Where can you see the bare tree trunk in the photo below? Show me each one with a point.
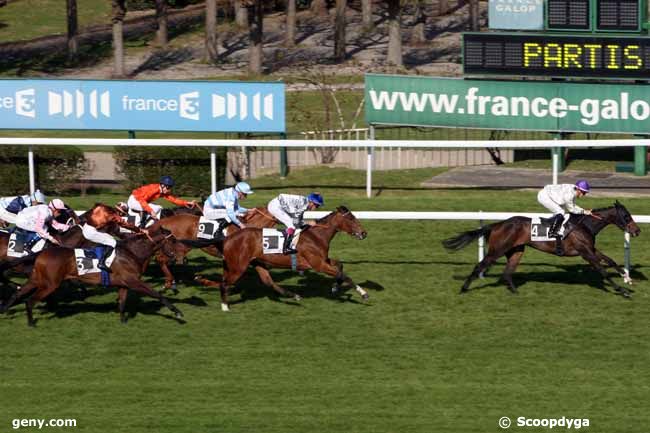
(474, 15)
(241, 14)
(256, 31)
(394, 34)
(119, 12)
(73, 28)
(319, 7)
(366, 14)
(211, 49)
(161, 21)
(443, 7)
(290, 40)
(417, 34)
(339, 31)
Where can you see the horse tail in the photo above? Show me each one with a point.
(463, 239)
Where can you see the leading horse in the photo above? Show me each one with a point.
(510, 238)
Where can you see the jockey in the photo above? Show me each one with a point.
(10, 206)
(37, 218)
(289, 209)
(223, 205)
(560, 200)
(140, 198)
(98, 218)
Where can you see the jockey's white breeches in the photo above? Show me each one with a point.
(545, 200)
(7, 216)
(134, 205)
(94, 235)
(276, 210)
(216, 214)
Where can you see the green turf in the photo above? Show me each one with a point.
(418, 357)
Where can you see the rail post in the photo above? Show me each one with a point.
(481, 243)
(32, 174)
(369, 164)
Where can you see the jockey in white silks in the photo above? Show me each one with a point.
(289, 210)
(11, 206)
(560, 200)
(223, 206)
(37, 218)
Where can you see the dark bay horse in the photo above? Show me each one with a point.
(510, 238)
(185, 226)
(245, 247)
(57, 264)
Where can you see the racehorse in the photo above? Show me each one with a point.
(510, 238)
(185, 226)
(245, 246)
(57, 264)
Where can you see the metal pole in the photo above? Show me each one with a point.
(213, 169)
(284, 166)
(32, 174)
(556, 164)
(369, 164)
(640, 160)
(481, 245)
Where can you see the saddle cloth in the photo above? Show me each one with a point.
(539, 228)
(17, 241)
(135, 220)
(207, 228)
(273, 239)
(88, 259)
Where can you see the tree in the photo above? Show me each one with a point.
(161, 22)
(211, 49)
(241, 13)
(339, 31)
(394, 33)
(256, 32)
(366, 14)
(319, 7)
(119, 12)
(417, 34)
(73, 28)
(474, 16)
(290, 40)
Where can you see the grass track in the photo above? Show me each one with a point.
(417, 358)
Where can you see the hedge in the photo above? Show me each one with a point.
(189, 166)
(57, 168)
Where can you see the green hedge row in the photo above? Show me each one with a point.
(189, 166)
(58, 168)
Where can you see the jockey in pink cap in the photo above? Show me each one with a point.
(37, 218)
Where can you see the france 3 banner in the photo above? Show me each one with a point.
(142, 105)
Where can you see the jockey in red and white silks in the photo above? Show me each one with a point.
(37, 218)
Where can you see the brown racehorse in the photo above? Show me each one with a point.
(185, 226)
(245, 246)
(56, 264)
(510, 238)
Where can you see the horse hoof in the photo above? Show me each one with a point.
(335, 290)
(224, 307)
(178, 314)
(297, 298)
(365, 297)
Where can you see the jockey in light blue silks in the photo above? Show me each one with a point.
(11, 206)
(289, 210)
(223, 206)
(560, 200)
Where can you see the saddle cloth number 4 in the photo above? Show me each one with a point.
(539, 230)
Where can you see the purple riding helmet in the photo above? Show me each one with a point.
(583, 186)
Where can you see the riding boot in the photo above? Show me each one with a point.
(108, 250)
(222, 226)
(559, 249)
(286, 247)
(144, 218)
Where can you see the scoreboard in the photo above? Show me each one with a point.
(555, 55)
(595, 15)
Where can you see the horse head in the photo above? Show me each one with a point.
(624, 220)
(347, 222)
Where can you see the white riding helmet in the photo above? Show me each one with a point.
(58, 204)
(38, 197)
(244, 188)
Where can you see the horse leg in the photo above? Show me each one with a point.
(592, 258)
(231, 273)
(514, 257)
(612, 264)
(142, 288)
(39, 295)
(265, 277)
(334, 268)
(163, 262)
(25, 290)
(481, 267)
(122, 295)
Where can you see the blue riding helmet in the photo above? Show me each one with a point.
(167, 181)
(583, 186)
(244, 188)
(38, 197)
(316, 198)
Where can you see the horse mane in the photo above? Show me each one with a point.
(340, 209)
